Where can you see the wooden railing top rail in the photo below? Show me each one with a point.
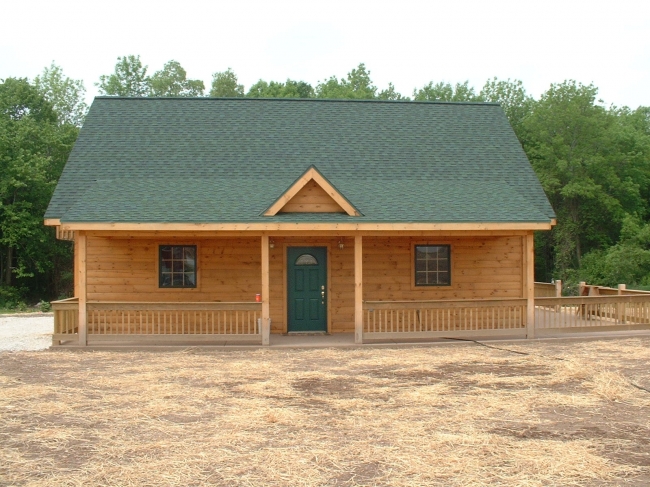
(592, 300)
(176, 306)
(444, 303)
(67, 300)
(550, 285)
(65, 304)
(607, 291)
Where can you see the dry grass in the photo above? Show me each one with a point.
(461, 415)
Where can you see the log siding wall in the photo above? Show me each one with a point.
(229, 269)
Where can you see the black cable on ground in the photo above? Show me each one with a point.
(503, 349)
(641, 388)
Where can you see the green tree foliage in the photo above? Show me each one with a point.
(33, 148)
(274, 89)
(357, 85)
(391, 94)
(172, 80)
(512, 97)
(225, 84)
(129, 79)
(446, 92)
(66, 95)
(573, 143)
(628, 261)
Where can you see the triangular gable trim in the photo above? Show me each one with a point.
(312, 174)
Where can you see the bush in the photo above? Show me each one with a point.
(44, 306)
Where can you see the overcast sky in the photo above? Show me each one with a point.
(604, 42)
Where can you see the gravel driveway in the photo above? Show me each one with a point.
(26, 332)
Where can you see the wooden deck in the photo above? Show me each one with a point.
(169, 323)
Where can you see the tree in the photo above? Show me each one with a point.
(627, 262)
(357, 85)
(512, 97)
(446, 92)
(172, 81)
(391, 94)
(274, 89)
(33, 149)
(225, 84)
(129, 78)
(571, 143)
(65, 95)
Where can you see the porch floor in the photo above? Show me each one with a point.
(343, 340)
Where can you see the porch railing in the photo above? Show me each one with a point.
(592, 312)
(66, 319)
(159, 322)
(421, 319)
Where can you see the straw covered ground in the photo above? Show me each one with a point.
(560, 413)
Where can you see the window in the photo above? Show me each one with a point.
(177, 266)
(432, 265)
(306, 259)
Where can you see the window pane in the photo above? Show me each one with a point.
(189, 253)
(166, 252)
(420, 278)
(177, 280)
(190, 280)
(177, 266)
(177, 252)
(165, 266)
(166, 280)
(306, 259)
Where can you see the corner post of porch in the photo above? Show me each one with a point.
(621, 306)
(529, 263)
(81, 285)
(266, 320)
(358, 289)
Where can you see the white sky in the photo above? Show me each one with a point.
(408, 42)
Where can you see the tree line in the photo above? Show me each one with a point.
(593, 162)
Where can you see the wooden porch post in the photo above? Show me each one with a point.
(81, 286)
(529, 283)
(358, 289)
(266, 321)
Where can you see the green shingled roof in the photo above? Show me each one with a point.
(213, 160)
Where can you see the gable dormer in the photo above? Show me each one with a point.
(312, 193)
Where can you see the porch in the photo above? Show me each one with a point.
(240, 323)
(367, 284)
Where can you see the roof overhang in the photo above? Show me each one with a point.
(286, 226)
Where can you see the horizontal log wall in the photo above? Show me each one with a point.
(482, 268)
(126, 269)
(229, 269)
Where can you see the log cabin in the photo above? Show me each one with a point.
(224, 220)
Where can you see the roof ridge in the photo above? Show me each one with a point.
(335, 100)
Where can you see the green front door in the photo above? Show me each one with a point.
(307, 296)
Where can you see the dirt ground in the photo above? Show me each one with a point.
(537, 414)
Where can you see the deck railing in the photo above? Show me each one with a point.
(66, 319)
(159, 322)
(119, 318)
(421, 319)
(592, 312)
